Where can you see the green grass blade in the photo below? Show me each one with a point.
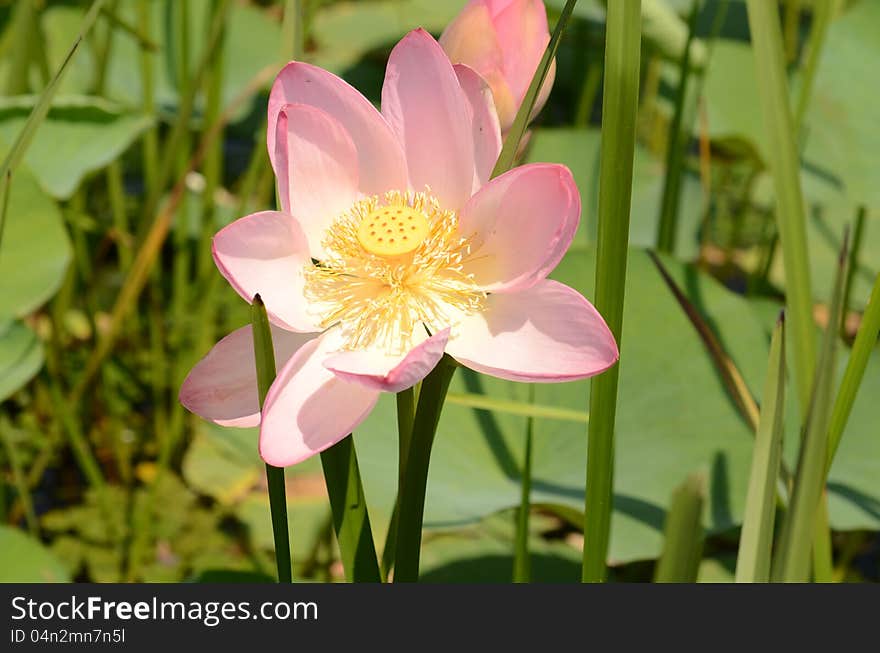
(412, 494)
(818, 31)
(619, 105)
(683, 546)
(667, 228)
(785, 169)
(756, 539)
(264, 355)
(5, 182)
(518, 128)
(521, 562)
(866, 341)
(41, 108)
(351, 520)
(792, 563)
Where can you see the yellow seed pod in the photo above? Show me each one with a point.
(393, 231)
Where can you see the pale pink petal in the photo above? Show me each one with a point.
(317, 170)
(470, 38)
(380, 371)
(266, 253)
(222, 387)
(486, 129)
(309, 409)
(523, 35)
(427, 109)
(381, 162)
(523, 222)
(547, 333)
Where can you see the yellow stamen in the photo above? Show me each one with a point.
(393, 230)
(381, 293)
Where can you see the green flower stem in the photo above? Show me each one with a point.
(785, 169)
(415, 476)
(264, 354)
(619, 104)
(521, 561)
(351, 520)
(406, 408)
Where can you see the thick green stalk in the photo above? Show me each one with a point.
(756, 538)
(151, 138)
(412, 494)
(522, 567)
(676, 144)
(351, 520)
(785, 169)
(406, 410)
(799, 529)
(619, 104)
(264, 355)
(683, 546)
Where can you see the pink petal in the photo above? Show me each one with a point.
(381, 162)
(547, 333)
(524, 222)
(222, 387)
(309, 409)
(486, 129)
(266, 253)
(380, 371)
(427, 109)
(317, 169)
(523, 35)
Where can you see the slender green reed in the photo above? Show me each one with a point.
(619, 105)
(667, 227)
(799, 528)
(756, 537)
(785, 170)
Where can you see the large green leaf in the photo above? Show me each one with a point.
(26, 560)
(222, 463)
(78, 136)
(35, 250)
(579, 150)
(21, 356)
(843, 140)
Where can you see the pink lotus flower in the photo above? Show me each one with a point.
(391, 248)
(504, 41)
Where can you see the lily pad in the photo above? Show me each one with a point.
(26, 560)
(79, 135)
(579, 150)
(21, 357)
(842, 135)
(222, 463)
(34, 252)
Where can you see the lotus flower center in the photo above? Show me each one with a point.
(392, 231)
